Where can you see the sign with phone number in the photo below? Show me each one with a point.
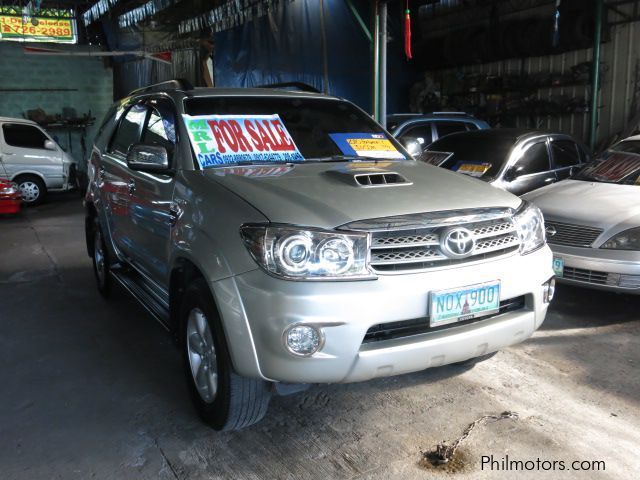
(59, 30)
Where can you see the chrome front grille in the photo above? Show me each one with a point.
(601, 278)
(413, 242)
(571, 235)
(588, 276)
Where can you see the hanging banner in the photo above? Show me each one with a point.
(232, 139)
(54, 29)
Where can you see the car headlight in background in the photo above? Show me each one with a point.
(627, 240)
(530, 226)
(308, 254)
(10, 189)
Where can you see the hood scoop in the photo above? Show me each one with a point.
(371, 179)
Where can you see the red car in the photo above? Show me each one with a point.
(10, 197)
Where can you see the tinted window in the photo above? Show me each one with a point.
(161, 126)
(490, 151)
(129, 130)
(24, 136)
(631, 146)
(445, 128)
(565, 153)
(534, 160)
(419, 133)
(309, 121)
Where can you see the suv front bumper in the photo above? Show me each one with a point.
(256, 310)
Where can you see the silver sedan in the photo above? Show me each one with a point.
(592, 221)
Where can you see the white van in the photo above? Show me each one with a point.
(30, 157)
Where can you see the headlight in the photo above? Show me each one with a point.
(530, 226)
(308, 254)
(627, 240)
(10, 189)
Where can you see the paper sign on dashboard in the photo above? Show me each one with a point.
(372, 145)
(231, 139)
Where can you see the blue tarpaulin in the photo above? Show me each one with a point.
(286, 45)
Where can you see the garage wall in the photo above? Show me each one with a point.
(619, 98)
(91, 81)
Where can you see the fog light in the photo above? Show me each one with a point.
(303, 340)
(549, 290)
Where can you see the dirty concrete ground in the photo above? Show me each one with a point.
(94, 389)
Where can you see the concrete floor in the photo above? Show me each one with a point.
(94, 389)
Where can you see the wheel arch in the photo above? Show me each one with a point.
(23, 173)
(236, 329)
(183, 272)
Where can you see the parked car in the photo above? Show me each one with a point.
(30, 158)
(10, 198)
(425, 129)
(512, 159)
(593, 221)
(286, 239)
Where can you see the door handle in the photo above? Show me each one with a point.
(131, 185)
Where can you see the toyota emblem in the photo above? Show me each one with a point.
(458, 242)
(551, 230)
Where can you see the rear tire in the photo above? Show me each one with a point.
(101, 261)
(32, 188)
(223, 399)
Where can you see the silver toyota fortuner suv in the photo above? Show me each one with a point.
(285, 238)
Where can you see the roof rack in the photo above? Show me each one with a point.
(304, 87)
(176, 84)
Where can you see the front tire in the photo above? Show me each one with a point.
(32, 188)
(223, 399)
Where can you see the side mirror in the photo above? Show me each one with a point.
(49, 145)
(413, 147)
(148, 158)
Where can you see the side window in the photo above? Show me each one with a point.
(23, 136)
(129, 129)
(161, 126)
(565, 153)
(420, 133)
(445, 128)
(534, 160)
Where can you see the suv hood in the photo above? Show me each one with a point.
(326, 195)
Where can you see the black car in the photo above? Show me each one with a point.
(513, 159)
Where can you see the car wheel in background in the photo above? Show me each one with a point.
(223, 399)
(32, 188)
(101, 261)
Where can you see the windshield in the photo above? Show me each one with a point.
(476, 156)
(270, 130)
(631, 146)
(615, 167)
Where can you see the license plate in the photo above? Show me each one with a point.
(558, 266)
(459, 304)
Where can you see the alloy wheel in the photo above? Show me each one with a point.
(30, 191)
(202, 355)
